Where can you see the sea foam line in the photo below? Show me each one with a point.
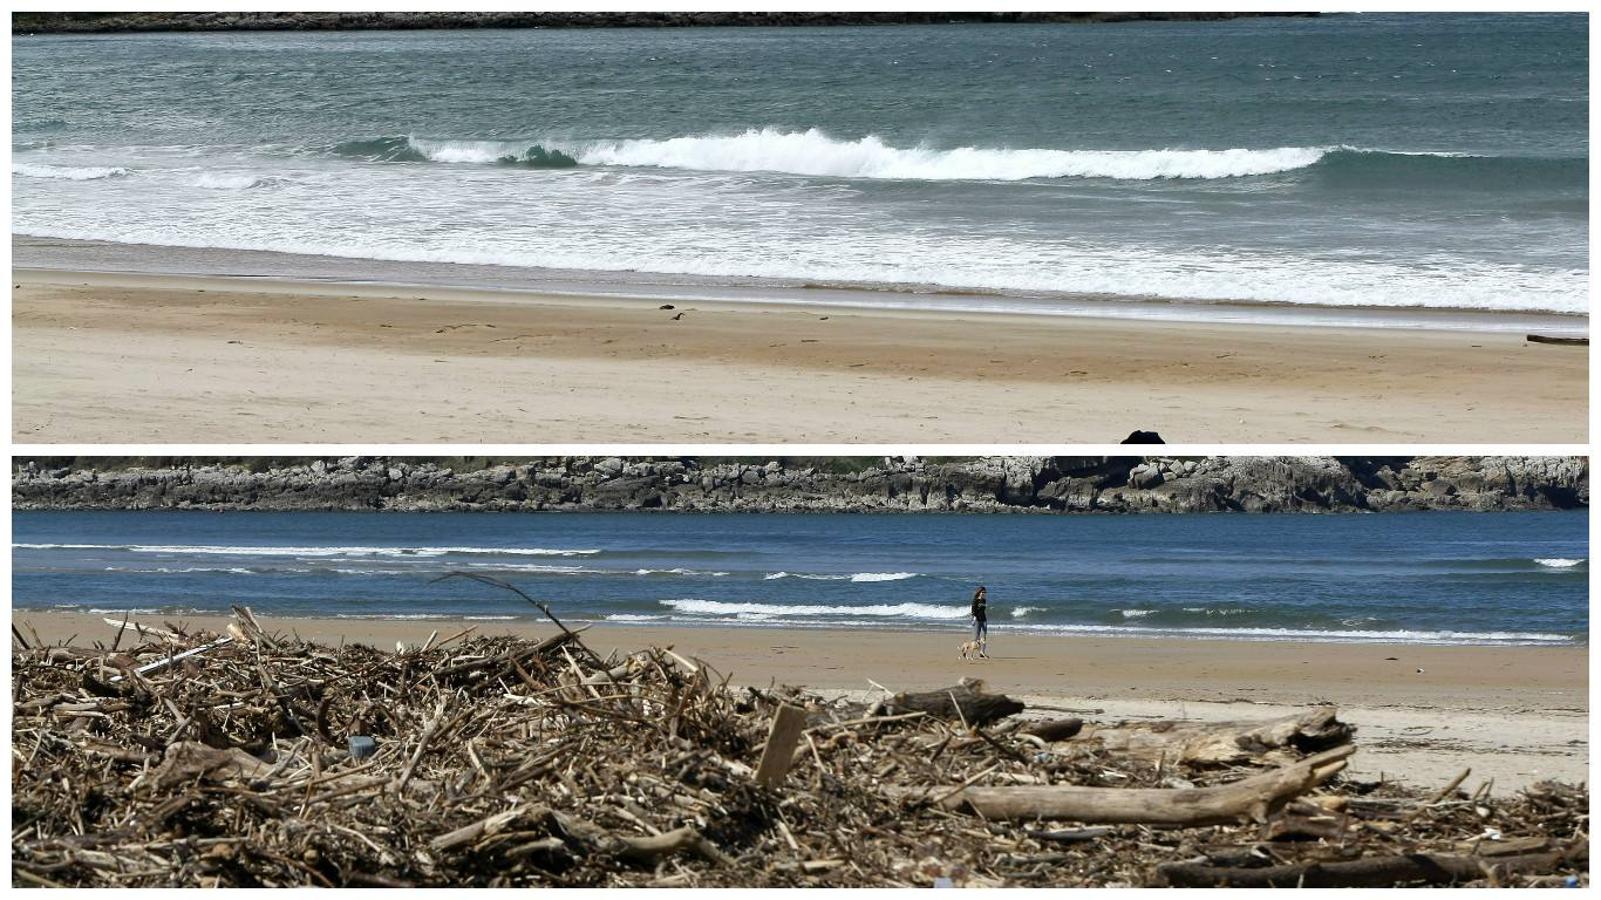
(925, 611)
(857, 577)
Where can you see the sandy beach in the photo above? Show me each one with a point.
(156, 358)
(1514, 714)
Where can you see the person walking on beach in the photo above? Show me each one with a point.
(981, 626)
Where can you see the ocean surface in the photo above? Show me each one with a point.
(1373, 160)
(1437, 578)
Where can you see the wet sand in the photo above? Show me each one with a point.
(1515, 714)
(128, 358)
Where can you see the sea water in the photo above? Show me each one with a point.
(1351, 161)
(1434, 577)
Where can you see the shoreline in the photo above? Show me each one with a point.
(229, 359)
(1515, 714)
(42, 256)
(340, 626)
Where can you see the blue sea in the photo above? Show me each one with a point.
(1421, 161)
(1433, 578)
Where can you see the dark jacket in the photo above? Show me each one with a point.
(979, 604)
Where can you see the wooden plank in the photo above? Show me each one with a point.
(788, 723)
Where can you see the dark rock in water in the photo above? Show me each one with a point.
(1143, 437)
(537, 157)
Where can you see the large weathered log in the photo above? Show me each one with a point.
(1248, 799)
(1373, 871)
(966, 702)
(1281, 740)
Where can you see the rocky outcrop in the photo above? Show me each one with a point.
(1114, 484)
(49, 23)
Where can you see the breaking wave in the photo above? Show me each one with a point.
(858, 577)
(861, 577)
(815, 153)
(1560, 563)
(919, 611)
(68, 173)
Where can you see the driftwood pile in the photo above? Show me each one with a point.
(508, 762)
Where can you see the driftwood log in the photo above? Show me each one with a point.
(1551, 339)
(1252, 798)
(1374, 871)
(1054, 729)
(966, 702)
(1281, 740)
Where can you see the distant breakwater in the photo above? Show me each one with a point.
(1123, 484)
(60, 23)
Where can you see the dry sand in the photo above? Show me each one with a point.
(158, 358)
(1515, 714)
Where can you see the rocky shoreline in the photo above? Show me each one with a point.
(1122, 484)
(101, 23)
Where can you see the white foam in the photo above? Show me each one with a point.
(215, 181)
(538, 569)
(680, 571)
(864, 577)
(1022, 612)
(1136, 613)
(1559, 562)
(922, 611)
(68, 173)
(633, 617)
(813, 152)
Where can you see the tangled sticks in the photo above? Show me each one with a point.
(509, 762)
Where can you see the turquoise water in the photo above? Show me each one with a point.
(1438, 578)
(1351, 160)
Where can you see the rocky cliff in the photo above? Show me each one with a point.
(1122, 484)
(47, 23)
